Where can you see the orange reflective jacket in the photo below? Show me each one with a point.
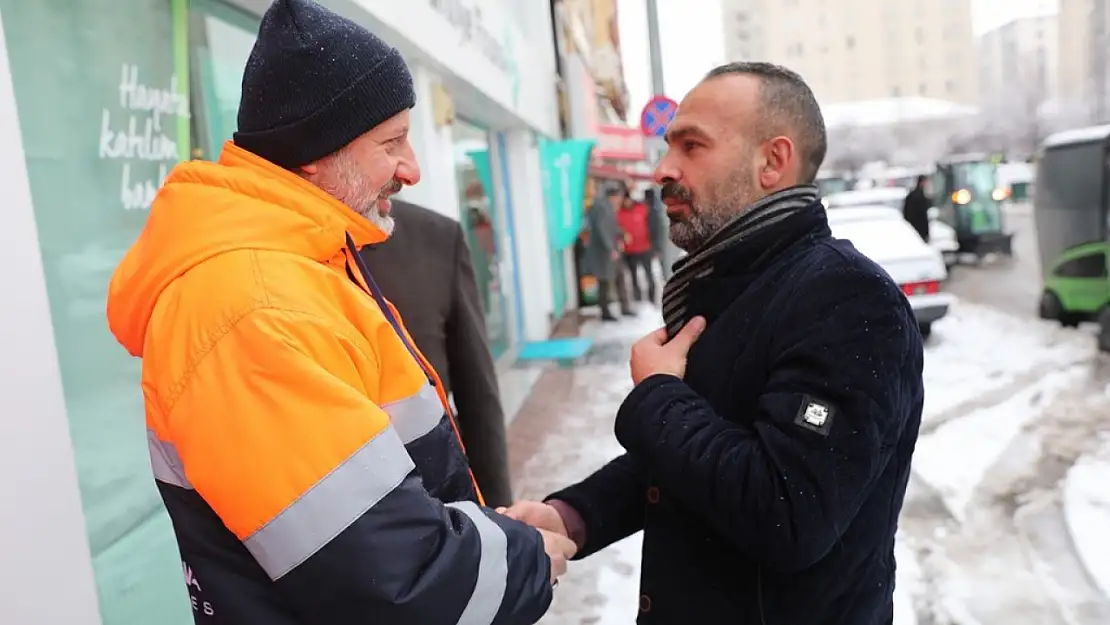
(301, 444)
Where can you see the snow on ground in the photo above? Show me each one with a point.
(976, 351)
(975, 358)
(955, 458)
(1087, 511)
(623, 590)
(907, 584)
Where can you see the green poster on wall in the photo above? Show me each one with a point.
(101, 108)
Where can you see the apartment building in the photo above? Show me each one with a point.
(1019, 64)
(1083, 67)
(854, 50)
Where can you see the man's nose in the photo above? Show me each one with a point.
(666, 170)
(408, 170)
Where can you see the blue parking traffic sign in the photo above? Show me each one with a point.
(657, 115)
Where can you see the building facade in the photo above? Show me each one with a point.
(98, 101)
(595, 107)
(1019, 82)
(1084, 66)
(858, 50)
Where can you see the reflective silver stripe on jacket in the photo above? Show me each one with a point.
(330, 506)
(165, 461)
(493, 568)
(415, 416)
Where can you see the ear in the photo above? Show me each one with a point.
(780, 155)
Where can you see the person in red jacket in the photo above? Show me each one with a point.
(634, 218)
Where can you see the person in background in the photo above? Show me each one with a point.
(603, 250)
(485, 269)
(916, 207)
(425, 270)
(634, 219)
(657, 220)
(303, 447)
(769, 434)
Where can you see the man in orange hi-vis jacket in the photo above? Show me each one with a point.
(302, 445)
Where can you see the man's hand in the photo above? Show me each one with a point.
(559, 549)
(655, 354)
(536, 514)
(550, 525)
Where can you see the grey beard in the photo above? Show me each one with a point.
(693, 232)
(385, 223)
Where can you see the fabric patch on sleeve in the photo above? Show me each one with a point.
(815, 415)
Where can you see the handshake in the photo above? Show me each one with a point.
(549, 523)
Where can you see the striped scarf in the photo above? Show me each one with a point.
(698, 265)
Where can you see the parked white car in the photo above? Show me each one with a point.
(942, 237)
(881, 234)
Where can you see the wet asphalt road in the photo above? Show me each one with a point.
(1012, 285)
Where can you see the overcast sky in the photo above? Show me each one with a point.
(693, 41)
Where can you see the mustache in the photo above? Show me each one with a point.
(675, 191)
(393, 187)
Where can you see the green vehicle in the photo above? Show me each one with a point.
(968, 196)
(1071, 207)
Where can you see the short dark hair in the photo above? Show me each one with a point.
(787, 100)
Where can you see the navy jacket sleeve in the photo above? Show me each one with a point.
(610, 502)
(845, 373)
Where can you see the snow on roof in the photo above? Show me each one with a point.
(863, 197)
(862, 212)
(1078, 135)
(889, 111)
(1038, 11)
(1009, 173)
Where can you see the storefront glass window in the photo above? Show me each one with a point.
(483, 227)
(220, 41)
(103, 117)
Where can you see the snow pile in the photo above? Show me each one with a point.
(977, 353)
(987, 376)
(1087, 511)
(957, 456)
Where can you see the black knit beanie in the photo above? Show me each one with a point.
(314, 82)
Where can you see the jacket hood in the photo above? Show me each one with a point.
(206, 209)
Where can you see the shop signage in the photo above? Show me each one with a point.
(141, 134)
(466, 18)
(619, 143)
(564, 165)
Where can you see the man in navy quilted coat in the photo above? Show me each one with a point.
(769, 433)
